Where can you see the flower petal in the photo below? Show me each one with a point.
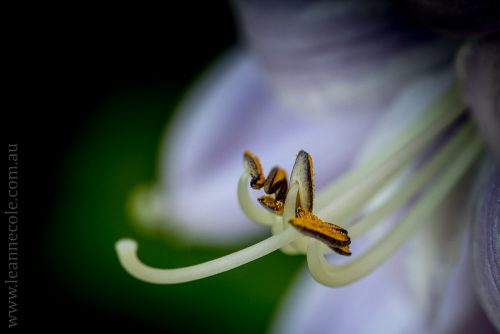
(377, 304)
(383, 302)
(437, 265)
(486, 243)
(333, 56)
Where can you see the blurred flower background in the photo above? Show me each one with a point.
(104, 90)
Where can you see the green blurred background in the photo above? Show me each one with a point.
(96, 92)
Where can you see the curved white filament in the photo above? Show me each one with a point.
(338, 202)
(290, 204)
(334, 276)
(289, 213)
(257, 214)
(127, 254)
(417, 181)
(401, 148)
(341, 208)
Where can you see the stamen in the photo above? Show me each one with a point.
(254, 168)
(417, 182)
(277, 184)
(256, 213)
(295, 247)
(337, 203)
(127, 254)
(367, 189)
(291, 203)
(272, 204)
(421, 132)
(302, 174)
(332, 235)
(351, 200)
(331, 275)
(342, 250)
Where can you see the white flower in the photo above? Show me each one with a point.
(377, 107)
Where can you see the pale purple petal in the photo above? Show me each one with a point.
(331, 56)
(486, 243)
(438, 267)
(380, 303)
(425, 288)
(383, 302)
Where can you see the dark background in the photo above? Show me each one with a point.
(63, 64)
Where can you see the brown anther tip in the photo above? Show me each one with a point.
(254, 169)
(269, 202)
(302, 174)
(332, 235)
(277, 183)
(342, 250)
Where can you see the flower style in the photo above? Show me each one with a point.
(377, 105)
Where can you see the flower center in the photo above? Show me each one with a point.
(288, 205)
(304, 220)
